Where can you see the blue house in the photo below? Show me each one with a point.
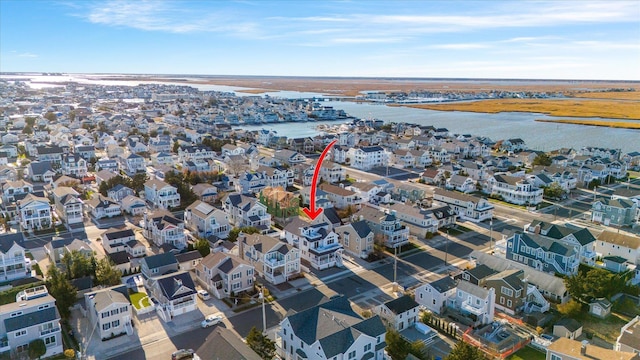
(543, 253)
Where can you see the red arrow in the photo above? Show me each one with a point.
(311, 211)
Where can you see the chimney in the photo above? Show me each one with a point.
(583, 347)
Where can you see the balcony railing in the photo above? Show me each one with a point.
(466, 306)
(49, 331)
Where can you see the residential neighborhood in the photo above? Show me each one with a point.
(128, 224)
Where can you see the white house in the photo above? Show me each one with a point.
(318, 245)
(163, 228)
(175, 294)
(276, 261)
(103, 207)
(515, 190)
(225, 275)
(434, 295)
(109, 311)
(400, 313)
(468, 207)
(34, 213)
(205, 220)
(161, 194)
(367, 157)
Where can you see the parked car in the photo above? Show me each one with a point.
(183, 354)
(211, 320)
(204, 294)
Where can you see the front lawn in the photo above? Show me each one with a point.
(527, 353)
(139, 300)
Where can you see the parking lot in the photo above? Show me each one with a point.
(394, 173)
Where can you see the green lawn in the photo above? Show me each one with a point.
(9, 296)
(136, 297)
(527, 353)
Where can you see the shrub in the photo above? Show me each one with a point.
(70, 353)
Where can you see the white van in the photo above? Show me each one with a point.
(204, 294)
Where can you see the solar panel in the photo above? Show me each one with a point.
(204, 208)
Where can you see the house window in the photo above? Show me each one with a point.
(106, 326)
(509, 303)
(104, 314)
(249, 272)
(506, 291)
(114, 312)
(237, 285)
(51, 340)
(367, 347)
(20, 333)
(501, 300)
(555, 357)
(115, 323)
(352, 355)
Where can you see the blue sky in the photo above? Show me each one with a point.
(470, 39)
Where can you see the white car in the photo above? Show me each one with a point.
(211, 320)
(204, 294)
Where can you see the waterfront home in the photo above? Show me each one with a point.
(31, 317)
(319, 246)
(34, 213)
(68, 205)
(13, 264)
(161, 227)
(161, 195)
(331, 330)
(175, 294)
(400, 314)
(225, 275)
(276, 261)
(205, 220)
(246, 211)
(103, 207)
(356, 238)
(542, 253)
(615, 212)
(109, 311)
(468, 207)
(191, 153)
(514, 190)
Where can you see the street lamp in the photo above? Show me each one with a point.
(264, 314)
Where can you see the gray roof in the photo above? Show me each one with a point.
(569, 324)
(401, 304)
(362, 228)
(188, 256)
(473, 289)
(176, 285)
(7, 241)
(104, 298)
(444, 284)
(159, 260)
(31, 319)
(224, 344)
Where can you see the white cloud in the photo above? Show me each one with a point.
(27, 55)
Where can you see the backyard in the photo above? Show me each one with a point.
(139, 300)
(527, 353)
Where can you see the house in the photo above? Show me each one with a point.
(189, 260)
(356, 238)
(580, 239)
(68, 205)
(205, 220)
(109, 311)
(388, 226)
(629, 339)
(474, 302)
(614, 212)
(318, 244)
(246, 211)
(157, 265)
(114, 240)
(542, 253)
(367, 157)
(101, 207)
(434, 295)
(11, 189)
(567, 328)
(34, 213)
(400, 313)
(600, 308)
(422, 220)
(514, 190)
(41, 171)
(568, 349)
(616, 264)
(192, 153)
(32, 316)
(340, 197)
(13, 264)
(120, 192)
(175, 294)
(73, 165)
(8, 173)
(51, 153)
(107, 164)
(627, 246)
(87, 152)
(133, 205)
(276, 261)
(162, 158)
(225, 275)
(104, 175)
(513, 145)
(365, 190)
(131, 164)
(162, 228)
(135, 248)
(161, 195)
(205, 192)
(431, 176)
(223, 343)
(510, 289)
(289, 157)
(468, 207)
(464, 184)
(331, 330)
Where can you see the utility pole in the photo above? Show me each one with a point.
(264, 314)
(446, 249)
(395, 268)
(491, 235)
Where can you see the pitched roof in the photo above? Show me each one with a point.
(362, 228)
(31, 319)
(573, 349)
(620, 239)
(401, 304)
(104, 298)
(176, 285)
(7, 241)
(444, 284)
(159, 260)
(222, 343)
